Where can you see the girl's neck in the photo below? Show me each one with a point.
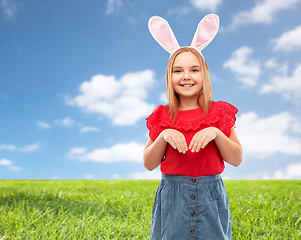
(187, 104)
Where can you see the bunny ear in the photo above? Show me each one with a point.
(205, 32)
(162, 33)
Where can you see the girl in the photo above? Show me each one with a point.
(191, 137)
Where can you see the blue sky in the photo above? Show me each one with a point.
(78, 78)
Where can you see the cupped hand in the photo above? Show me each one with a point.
(176, 139)
(202, 138)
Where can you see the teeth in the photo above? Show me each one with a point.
(187, 85)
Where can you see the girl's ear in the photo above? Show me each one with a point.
(205, 32)
(162, 33)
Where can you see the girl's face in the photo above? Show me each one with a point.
(186, 76)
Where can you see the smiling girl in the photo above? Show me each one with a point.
(190, 138)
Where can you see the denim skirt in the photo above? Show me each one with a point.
(191, 208)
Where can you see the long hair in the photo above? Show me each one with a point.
(206, 92)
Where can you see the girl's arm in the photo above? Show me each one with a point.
(229, 148)
(154, 151)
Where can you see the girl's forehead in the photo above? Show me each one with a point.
(185, 58)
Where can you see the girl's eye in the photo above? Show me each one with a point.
(176, 71)
(195, 70)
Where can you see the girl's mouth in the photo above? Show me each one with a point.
(186, 85)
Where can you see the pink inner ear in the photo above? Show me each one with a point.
(206, 30)
(161, 32)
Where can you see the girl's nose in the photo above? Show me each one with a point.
(186, 75)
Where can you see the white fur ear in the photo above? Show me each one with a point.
(162, 33)
(205, 32)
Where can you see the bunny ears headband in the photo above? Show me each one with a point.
(205, 32)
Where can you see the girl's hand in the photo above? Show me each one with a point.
(176, 139)
(202, 138)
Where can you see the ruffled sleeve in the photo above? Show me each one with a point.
(153, 122)
(226, 112)
(221, 115)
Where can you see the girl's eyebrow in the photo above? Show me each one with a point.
(190, 66)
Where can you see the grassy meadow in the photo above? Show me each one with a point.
(121, 209)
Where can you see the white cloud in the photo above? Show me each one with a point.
(28, 148)
(122, 101)
(247, 69)
(275, 67)
(8, 147)
(43, 125)
(155, 174)
(178, 11)
(74, 153)
(9, 164)
(163, 98)
(132, 21)
(288, 41)
(89, 176)
(292, 171)
(116, 176)
(263, 12)
(131, 152)
(287, 86)
(262, 137)
(15, 168)
(9, 8)
(210, 5)
(89, 129)
(272, 63)
(5, 162)
(66, 122)
(113, 6)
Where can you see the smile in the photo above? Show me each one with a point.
(186, 85)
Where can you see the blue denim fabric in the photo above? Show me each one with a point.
(191, 208)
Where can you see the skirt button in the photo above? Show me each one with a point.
(192, 231)
(193, 180)
(192, 197)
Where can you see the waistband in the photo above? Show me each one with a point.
(191, 180)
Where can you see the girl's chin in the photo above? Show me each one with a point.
(188, 96)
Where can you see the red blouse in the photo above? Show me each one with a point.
(207, 161)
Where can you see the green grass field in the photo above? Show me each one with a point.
(121, 209)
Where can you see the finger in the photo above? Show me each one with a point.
(181, 144)
(193, 144)
(174, 142)
(193, 147)
(206, 141)
(198, 146)
(197, 143)
(184, 144)
(171, 143)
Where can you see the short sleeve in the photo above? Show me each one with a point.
(227, 117)
(153, 122)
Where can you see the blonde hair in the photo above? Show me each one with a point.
(206, 92)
